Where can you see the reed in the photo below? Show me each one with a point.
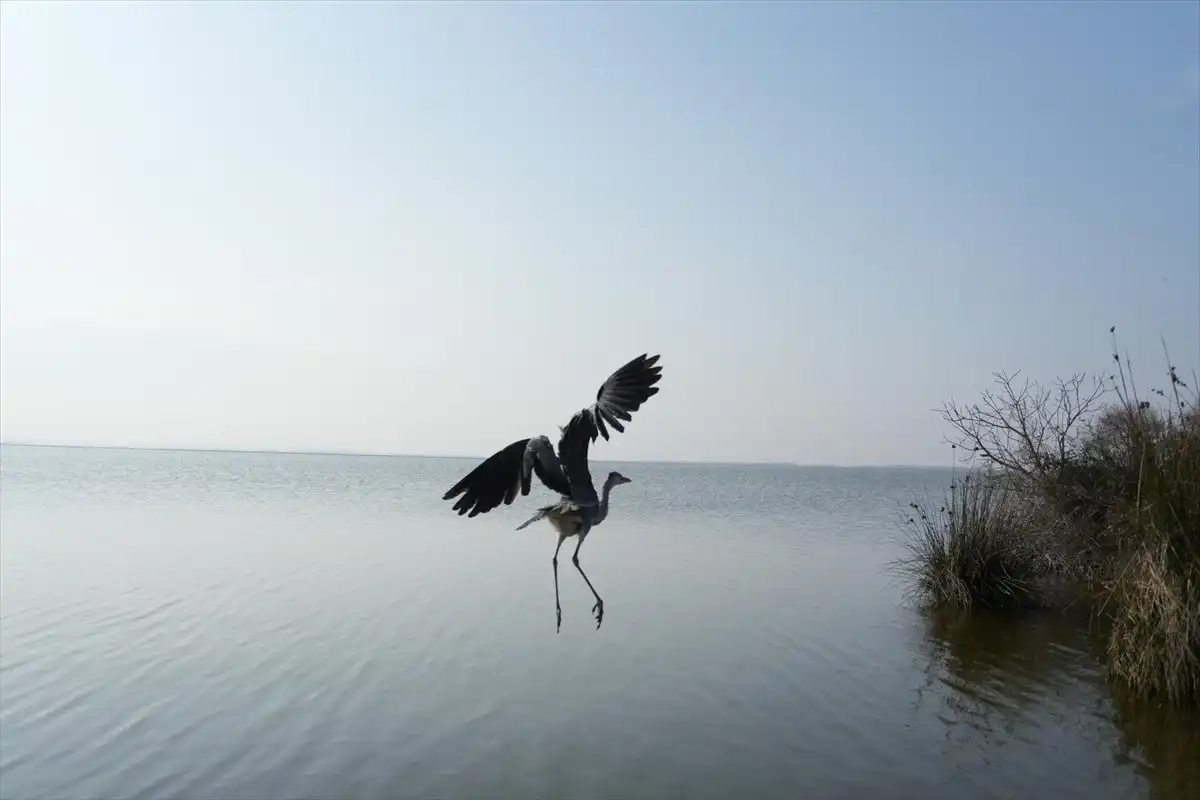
(976, 548)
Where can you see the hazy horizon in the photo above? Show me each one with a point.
(461, 457)
(436, 228)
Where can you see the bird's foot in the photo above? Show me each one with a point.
(598, 610)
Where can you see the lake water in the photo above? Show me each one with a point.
(219, 625)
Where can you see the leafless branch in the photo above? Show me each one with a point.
(1024, 427)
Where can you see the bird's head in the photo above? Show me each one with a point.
(616, 479)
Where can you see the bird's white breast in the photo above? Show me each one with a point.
(565, 524)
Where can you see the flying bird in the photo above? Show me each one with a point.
(508, 472)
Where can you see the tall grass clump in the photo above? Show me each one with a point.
(1154, 645)
(971, 551)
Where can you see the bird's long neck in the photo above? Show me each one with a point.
(603, 512)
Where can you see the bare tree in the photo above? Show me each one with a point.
(1026, 429)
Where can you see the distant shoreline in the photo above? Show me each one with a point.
(353, 454)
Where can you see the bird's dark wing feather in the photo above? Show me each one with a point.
(551, 479)
(497, 480)
(618, 397)
(579, 432)
(624, 392)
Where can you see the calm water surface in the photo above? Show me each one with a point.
(223, 625)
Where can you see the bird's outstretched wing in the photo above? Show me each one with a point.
(497, 480)
(505, 474)
(622, 393)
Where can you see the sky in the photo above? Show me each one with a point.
(436, 228)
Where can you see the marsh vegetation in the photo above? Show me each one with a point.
(1079, 492)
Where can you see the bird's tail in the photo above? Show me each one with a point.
(541, 513)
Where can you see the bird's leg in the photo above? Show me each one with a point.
(597, 609)
(557, 606)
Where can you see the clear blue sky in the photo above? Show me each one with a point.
(436, 228)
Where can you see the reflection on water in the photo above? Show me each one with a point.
(995, 676)
(1005, 671)
(1163, 744)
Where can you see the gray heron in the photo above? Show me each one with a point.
(508, 472)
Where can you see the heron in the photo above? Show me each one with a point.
(508, 472)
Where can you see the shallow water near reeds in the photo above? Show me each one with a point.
(232, 625)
